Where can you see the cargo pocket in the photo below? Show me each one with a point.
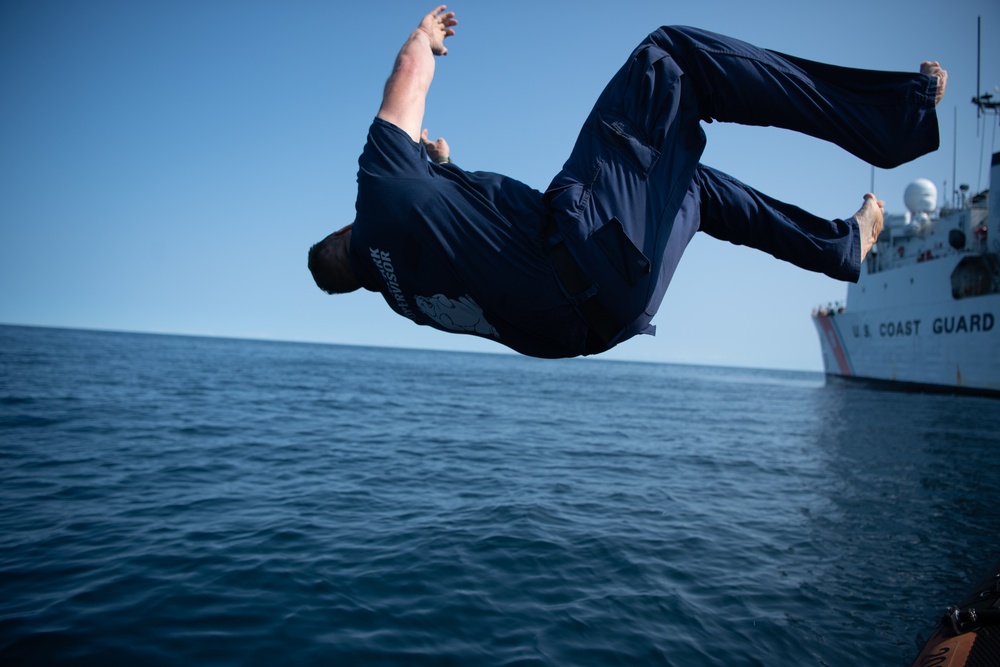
(618, 133)
(621, 252)
(570, 195)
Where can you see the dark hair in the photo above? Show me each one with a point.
(328, 267)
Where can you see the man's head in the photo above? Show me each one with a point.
(330, 264)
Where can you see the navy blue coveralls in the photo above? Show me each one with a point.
(633, 193)
(585, 266)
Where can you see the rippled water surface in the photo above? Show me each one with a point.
(174, 500)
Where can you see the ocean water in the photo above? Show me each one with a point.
(180, 500)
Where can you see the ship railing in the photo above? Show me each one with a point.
(830, 309)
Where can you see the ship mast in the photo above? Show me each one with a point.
(983, 101)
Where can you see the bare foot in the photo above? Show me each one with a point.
(934, 69)
(869, 222)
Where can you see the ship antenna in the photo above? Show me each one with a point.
(954, 156)
(979, 66)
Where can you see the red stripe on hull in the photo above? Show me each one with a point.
(833, 340)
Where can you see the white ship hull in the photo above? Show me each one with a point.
(943, 345)
(925, 313)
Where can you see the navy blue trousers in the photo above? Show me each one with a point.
(632, 193)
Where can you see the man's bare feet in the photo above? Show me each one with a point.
(934, 69)
(869, 222)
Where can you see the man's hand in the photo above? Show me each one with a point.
(438, 25)
(437, 151)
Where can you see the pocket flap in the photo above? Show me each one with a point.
(621, 252)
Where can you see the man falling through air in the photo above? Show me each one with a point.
(585, 265)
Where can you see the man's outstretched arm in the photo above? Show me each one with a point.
(406, 90)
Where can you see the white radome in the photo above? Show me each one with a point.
(920, 196)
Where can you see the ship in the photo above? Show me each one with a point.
(925, 312)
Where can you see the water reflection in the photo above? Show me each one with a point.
(911, 480)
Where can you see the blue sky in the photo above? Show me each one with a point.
(164, 167)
